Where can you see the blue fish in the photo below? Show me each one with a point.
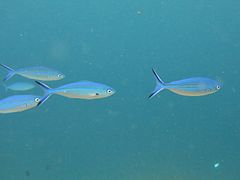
(18, 103)
(36, 73)
(196, 86)
(20, 86)
(80, 90)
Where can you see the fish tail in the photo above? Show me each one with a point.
(47, 92)
(11, 72)
(160, 85)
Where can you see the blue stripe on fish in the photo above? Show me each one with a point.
(18, 103)
(79, 90)
(36, 73)
(196, 86)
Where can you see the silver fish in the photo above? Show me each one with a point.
(20, 86)
(195, 86)
(18, 103)
(79, 90)
(36, 73)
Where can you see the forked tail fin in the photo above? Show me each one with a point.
(47, 92)
(159, 85)
(10, 74)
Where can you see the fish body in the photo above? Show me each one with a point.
(18, 103)
(196, 86)
(20, 86)
(79, 90)
(84, 90)
(36, 73)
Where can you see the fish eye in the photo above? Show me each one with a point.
(37, 100)
(59, 75)
(97, 94)
(218, 87)
(109, 91)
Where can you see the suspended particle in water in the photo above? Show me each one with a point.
(216, 165)
(139, 12)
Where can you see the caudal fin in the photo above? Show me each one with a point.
(46, 90)
(10, 74)
(159, 85)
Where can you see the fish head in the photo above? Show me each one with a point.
(33, 101)
(37, 100)
(214, 86)
(218, 86)
(60, 75)
(30, 101)
(101, 91)
(53, 74)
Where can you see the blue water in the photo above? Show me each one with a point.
(126, 136)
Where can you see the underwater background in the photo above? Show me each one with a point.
(126, 136)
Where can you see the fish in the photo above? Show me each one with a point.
(79, 90)
(20, 86)
(195, 86)
(18, 103)
(36, 73)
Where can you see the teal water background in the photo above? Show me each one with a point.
(126, 136)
